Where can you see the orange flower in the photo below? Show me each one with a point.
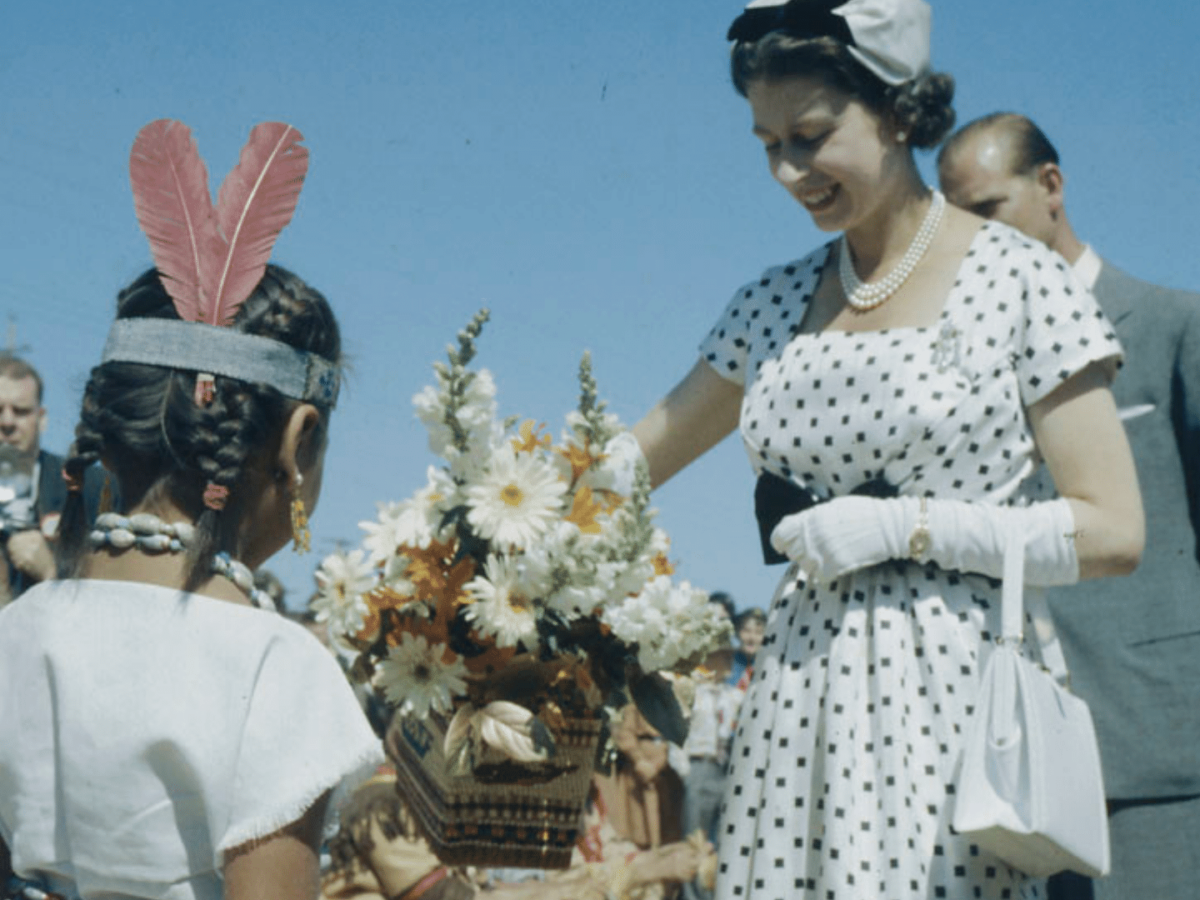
(530, 437)
(377, 601)
(611, 499)
(577, 675)
(580, 458)
(437, 580)
(435, 631)
(583, 511)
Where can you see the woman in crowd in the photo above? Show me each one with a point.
(893, 389)
(163, 737)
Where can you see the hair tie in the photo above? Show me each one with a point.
(205, 390)
(74, 482)
(216, 496)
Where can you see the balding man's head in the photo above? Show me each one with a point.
(1002, 167)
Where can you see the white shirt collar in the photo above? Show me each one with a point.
(1087, 267)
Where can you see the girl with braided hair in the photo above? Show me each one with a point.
(164, 737)
(163, 447)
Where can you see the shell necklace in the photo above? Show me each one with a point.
(863, 296)
(150, 533)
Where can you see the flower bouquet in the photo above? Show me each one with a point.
(506, 610)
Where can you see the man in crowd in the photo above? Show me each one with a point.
(32, 491)
(1132, 644)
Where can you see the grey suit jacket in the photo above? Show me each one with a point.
(1133, 644)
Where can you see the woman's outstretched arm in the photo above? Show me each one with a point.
(1083, 443)
(697, 413)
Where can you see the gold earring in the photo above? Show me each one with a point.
(106, 495)
(301, 536)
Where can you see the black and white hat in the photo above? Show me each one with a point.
(889, 37)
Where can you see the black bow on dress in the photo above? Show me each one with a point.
(776, 497)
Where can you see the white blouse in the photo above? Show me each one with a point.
(144, 732)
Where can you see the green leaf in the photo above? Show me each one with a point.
(543, 739)
(606, 752)
(656, 701)
(462, 760)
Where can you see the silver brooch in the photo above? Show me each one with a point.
(946, 348)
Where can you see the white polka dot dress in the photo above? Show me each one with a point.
(842, 773)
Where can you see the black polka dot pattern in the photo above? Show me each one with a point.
(842, 772)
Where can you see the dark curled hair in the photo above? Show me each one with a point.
(144, 423)
(922, 108)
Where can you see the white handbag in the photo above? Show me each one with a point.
(1030, 790)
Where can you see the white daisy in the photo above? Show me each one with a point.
(516, 501)
(499, 609)
(382, 538)
(342, 581)
(416, 678)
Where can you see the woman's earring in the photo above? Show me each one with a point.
(301, 536)
(901, 137)
(106, 494)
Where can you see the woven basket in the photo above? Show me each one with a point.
(504, 813)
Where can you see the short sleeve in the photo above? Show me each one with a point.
(727, 344)
(761, 316)
(304, 735)
(1064, 330)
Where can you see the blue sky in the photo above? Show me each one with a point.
(585, 171)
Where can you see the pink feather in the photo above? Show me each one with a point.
(170, 196)
(255, 203)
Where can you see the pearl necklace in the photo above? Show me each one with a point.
(862, 296)
(150, 533)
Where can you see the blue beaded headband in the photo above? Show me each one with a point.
(211, 349)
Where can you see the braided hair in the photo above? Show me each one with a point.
(144, 423)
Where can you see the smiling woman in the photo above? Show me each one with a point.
(893, 390)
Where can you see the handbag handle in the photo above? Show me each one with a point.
(1013, 601)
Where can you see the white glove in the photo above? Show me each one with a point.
(623, 454)
(849, 533)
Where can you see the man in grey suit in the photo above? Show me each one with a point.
(1132, 644)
